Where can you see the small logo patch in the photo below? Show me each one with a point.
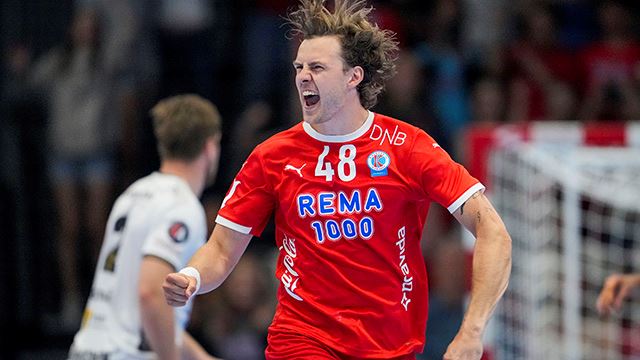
(179, 232)
(378, 162)
(293, 168)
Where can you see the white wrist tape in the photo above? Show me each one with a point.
(193, 272)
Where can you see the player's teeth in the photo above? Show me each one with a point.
(308, 93)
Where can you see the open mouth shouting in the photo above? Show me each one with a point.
(311, 98)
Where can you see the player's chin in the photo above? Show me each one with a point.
(311, 116)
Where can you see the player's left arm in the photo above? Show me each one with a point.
(490, 274)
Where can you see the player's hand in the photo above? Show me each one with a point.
(464, 346)
(616, 288)
(178, 288)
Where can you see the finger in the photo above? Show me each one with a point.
(176, 303)
(175, 292)
(178, 279)
(608, 294)
(604, 301)
(191, 288)
(621, 295)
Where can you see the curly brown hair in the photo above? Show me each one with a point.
(182, 125)
(363, 42)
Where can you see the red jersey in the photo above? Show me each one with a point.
(349, 213)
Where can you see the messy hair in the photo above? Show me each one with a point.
(182, 125)
(363, 43)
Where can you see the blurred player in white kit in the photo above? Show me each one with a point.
(155, 226)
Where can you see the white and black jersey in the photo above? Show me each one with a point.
(158, 215)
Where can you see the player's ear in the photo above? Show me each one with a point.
(212, 146)
(356, 76)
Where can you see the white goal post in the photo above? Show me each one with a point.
(573, 213)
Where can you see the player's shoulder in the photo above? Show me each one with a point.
(397, 133)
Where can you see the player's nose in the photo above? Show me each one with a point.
(304, 75)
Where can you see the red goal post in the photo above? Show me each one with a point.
(479, 141)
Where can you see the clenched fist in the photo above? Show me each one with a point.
(179, 288)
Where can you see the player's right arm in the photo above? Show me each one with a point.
(214, 262)
(616, 288)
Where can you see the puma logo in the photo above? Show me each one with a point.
(293, 168)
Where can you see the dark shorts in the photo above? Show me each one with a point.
(82, 170)
(288, 345)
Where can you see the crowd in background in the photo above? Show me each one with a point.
(78, 79)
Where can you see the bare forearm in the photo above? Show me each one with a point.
(158, 325)
(217, 258)
(491, 269)
(213, 265)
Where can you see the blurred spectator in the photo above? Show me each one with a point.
(131, 49)
(405, 92)
(266, 56)
(487, 102)
(484, 26)
(252, 128)
(540, 71)
(445, 68)
(562, 102)
(77, 83)
(186, 47)
(611, 68)
(25, 192)
(575, 24)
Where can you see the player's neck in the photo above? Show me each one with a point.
(345, 121)
(190, 172)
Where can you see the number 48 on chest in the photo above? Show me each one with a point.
(346, 166)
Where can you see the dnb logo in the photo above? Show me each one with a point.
(178, 231)
(378, 162)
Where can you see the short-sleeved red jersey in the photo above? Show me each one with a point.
(349, 213)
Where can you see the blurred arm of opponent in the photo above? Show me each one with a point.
(214, 262)
(192, 350)
(490, 274)
(158, 318)
(616, 288)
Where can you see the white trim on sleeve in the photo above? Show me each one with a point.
(464, 197)
(233, 226)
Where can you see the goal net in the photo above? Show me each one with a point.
(573, 213)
